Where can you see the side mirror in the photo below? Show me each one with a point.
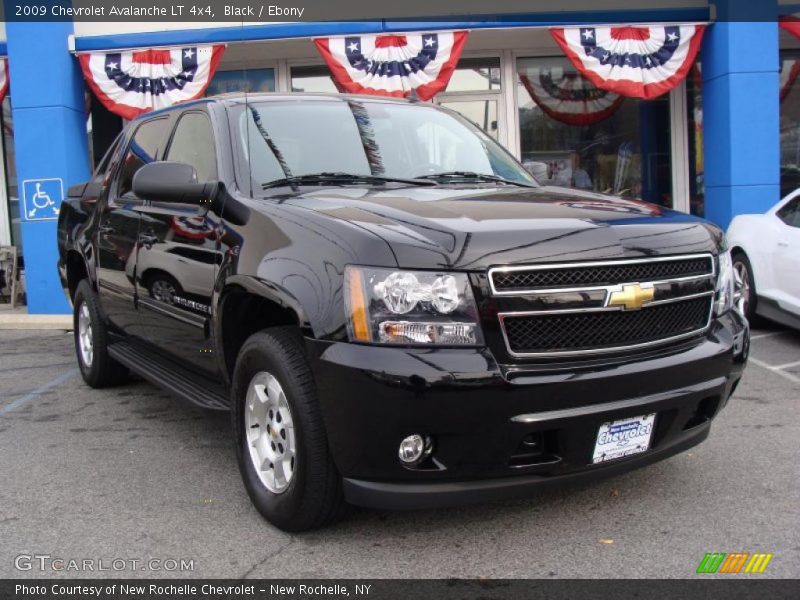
(166, 181)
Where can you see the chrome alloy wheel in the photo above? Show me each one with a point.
(85, 344)
(270, 432)
(744, 281)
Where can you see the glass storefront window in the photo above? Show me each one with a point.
(481, 112)
(790, 121)
(574, 135)
(313, 79)
(244, 80)
(11, 172)
(475, 75)
(694, 109)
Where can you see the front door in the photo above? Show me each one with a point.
(787, 254)
(118, 230)
(178, 255)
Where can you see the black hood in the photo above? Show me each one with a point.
(473, 228)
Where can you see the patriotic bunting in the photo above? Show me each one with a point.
(790, 70)
(134, 82)
(639, 62)
(569, 97)
(3, 78)
(193, 228)
(393, 65)
(792, 25)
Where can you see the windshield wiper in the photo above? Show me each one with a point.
(451, 176)
(340, 178)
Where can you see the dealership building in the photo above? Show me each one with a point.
(723, 140)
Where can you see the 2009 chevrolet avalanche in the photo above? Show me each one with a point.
(395, 312)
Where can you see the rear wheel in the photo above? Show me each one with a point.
(741, 264)
(91, 341)
(281, 444)
(163, 287)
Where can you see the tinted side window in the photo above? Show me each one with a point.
(143, 149)
(790, 214)
(112, 150)
(193, 144)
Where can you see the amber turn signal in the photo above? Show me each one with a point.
(357, 306)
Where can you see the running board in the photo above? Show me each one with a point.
(170, 376)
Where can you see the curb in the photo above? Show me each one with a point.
(43, 322)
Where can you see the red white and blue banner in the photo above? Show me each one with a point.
(569, 97)
(791, 24)
(137, 81)
(790, 70)
(3, 78)
(643, 61)
(393, 65)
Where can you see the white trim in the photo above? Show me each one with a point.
(508, 87)
(5, 213)
(283, 82)
(5, 208)
(679, 148)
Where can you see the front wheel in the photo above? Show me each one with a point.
(281, 445)
(91, 341)
(743, 268)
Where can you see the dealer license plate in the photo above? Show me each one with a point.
(623, 438)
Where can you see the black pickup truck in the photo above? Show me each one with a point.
(394, 311)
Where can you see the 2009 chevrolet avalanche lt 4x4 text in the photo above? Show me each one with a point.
(395, 312)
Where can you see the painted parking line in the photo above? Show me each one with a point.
(761, 336)
(776, 370)
(788, 365)
(38, 392)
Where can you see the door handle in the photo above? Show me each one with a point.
(783, 244)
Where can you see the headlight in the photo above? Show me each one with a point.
(388, 306)
(723, 300)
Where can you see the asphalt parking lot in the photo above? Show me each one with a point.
(131, 473)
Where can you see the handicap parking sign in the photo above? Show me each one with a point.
(42, 198)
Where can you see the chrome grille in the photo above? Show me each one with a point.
(590, 331)
(515, 280)
(680, 290)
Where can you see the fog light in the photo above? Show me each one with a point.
(414, 448)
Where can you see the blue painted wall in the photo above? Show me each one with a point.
(741, 111)
(50, 142)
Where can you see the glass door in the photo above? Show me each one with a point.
(474, 92)
(480, 110)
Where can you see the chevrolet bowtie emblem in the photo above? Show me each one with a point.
(632, 297)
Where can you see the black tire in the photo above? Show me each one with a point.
(742, 265)
(313, 496)
(102, 370)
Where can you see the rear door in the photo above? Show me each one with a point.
(118, 229)
(179, 254)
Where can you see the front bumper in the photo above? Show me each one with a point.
(479, 413)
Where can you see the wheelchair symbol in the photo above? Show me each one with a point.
(41, 200)
(41, 197)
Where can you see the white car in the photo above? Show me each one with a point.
(766, 255)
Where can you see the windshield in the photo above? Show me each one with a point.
(283, 140)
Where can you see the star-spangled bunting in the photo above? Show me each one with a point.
(569, 97)
(137, 81)
(790, 70)
(640, 61)
(791, 24)
(3, 78)
(393, 65)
